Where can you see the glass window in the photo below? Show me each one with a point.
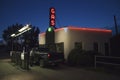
(78, 45)
(60, 47)
(95, 46)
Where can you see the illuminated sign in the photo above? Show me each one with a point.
(52, 17)
(49, 29)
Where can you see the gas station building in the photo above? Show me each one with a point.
(70, 37)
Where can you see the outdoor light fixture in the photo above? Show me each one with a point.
(12, 35)
(27, 29)
(22, 30)
(65, 29)
(49, 29)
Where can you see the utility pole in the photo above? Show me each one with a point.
(116, 27)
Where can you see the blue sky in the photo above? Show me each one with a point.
(80, 13)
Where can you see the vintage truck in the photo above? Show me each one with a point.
(44, 57)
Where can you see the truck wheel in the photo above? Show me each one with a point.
(42, 63)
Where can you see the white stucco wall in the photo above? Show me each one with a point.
(87, 37)
(42, 38)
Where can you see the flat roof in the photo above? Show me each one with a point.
(84, 29)
(81, 29)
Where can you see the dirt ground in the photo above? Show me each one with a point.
(8, 71)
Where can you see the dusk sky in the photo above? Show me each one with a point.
(80, 13)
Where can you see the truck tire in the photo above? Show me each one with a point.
(42, 63)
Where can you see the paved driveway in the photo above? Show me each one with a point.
(11, 72)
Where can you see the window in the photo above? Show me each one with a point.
(106, 45)
(52, 48)
(60, 47)
(78, 45)
(95, 46)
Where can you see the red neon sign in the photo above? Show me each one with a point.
(52, 17)
(52, 10)
(85, 29)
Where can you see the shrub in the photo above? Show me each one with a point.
(75, 57)
(78, 57)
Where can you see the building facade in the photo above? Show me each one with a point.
(70, 37)
(115, 46)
